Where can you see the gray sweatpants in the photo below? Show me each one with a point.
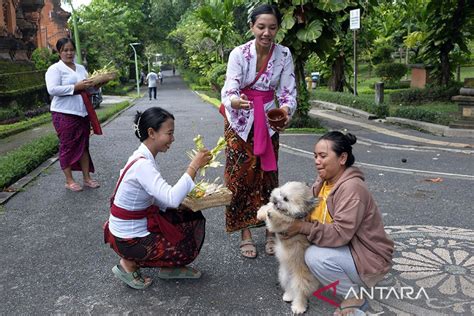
(332, 264)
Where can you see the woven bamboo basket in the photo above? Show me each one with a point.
(103, 78)
(220, 198)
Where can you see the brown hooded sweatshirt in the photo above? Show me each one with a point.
(357, 222)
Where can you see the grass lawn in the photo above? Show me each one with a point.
(467, 72)
(434, 112)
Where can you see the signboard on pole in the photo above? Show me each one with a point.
(355, 19)
(354, 26)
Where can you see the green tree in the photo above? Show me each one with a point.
(218, 15)
(106, 28)
(311, 26)
(451, 25)
(196, 51)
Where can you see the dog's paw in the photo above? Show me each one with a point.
(287, 297)
(298, 309)
(262, 212)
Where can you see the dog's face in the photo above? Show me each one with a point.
(293, 199)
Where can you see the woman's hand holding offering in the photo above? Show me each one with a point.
(201, 159)
(241, 103)
(83, 85)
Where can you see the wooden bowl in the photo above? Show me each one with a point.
(276, 117)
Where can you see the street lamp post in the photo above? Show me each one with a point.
(76, 34)
(136, 67)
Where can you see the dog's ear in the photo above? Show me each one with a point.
(311, 203)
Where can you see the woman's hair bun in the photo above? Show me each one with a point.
(137, 116)
(352, 139)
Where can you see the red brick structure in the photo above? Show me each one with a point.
(27, 24)
(53, 24)
(419, 76)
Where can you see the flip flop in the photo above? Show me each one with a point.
(178, 273)
(74, 187)
(359, 310)
(91, 183)
(246, 246)
(270, 246)
(133, 279)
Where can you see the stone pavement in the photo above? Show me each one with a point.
(54, 261)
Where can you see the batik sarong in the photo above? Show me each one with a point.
(250, 185)
(154, 250)
(73, 132)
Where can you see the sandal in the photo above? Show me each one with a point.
(270, 245)
(133, 279)
(179, 273)
(359, 310)
(248, 249)
(91, 183)
(74, 187)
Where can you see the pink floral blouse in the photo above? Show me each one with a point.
(242, 70)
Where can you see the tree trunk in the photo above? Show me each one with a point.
(447, 47)
(445, 64)
(303, 95)
(336, 83)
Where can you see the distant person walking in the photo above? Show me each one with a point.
(142, 77)
(151, 79)
(160, 76)
(67, 84)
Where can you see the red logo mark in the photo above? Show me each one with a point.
(332, 286)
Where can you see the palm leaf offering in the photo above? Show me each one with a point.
(213, 163)
(207, 194)
(103, 75)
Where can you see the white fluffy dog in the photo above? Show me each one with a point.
(294, 200)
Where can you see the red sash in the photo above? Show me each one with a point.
(91, 113)
(156, 223)
(262, 69)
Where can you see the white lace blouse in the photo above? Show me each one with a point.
(141, 187)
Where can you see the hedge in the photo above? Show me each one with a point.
(20, 162)
(364, 103)
(429, 94)
(25, 159)
(424, 115)
(15, 128)
(391, 72)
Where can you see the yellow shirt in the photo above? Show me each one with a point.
(320, 212)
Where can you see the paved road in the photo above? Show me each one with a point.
(53, 259)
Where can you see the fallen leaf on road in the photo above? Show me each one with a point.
(435, 180)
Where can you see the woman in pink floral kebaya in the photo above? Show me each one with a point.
(257, 72)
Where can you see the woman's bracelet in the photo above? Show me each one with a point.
(194, 168)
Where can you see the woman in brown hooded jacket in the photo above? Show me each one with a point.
(346, 229)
